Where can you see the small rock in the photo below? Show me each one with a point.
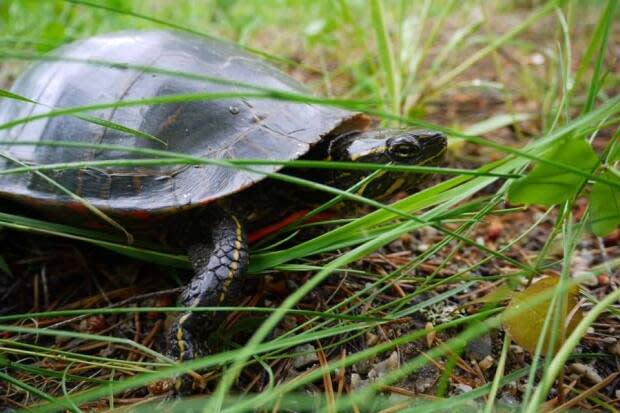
(615, 349)
(588, 279)
(581, 263)
(426, 377)
(357, 382)
(487, 363)
(479, 348)
(592, 376)
(383, 367)
(462, 388)
(422, 247)
(308, 356)
(587, 372)
(537, 59)
(371, 339)
(509, 400)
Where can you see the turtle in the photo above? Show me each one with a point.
(165, 91)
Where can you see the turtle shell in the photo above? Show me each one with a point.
(230, 128)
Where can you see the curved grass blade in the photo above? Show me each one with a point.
(91, 119)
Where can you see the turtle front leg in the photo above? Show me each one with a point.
(220, 261)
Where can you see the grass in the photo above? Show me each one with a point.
(408, 63)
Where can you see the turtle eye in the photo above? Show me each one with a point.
(403, 147)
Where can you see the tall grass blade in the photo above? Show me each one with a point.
(386, 56)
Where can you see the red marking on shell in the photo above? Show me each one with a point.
(91, 221)
(78, 208)
(139, 214)
(261, 233)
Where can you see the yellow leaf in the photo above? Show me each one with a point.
(525, 315)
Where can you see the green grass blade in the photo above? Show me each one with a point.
(386, 55)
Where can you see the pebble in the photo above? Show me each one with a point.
(426, 377)
(384, 367)
(309, 356)
(479, 348)
(487, 363)
(537, 59)
(588, 279)
(581, 264)
(422, 247)
(378, 370)
(357, 382)
(462, 388)
(371, 339)
(586, 371)
(509, 400)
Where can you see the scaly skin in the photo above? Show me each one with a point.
(219, 264)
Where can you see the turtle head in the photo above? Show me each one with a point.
(386, 146)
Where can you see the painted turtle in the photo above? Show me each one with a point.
(206, 209)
